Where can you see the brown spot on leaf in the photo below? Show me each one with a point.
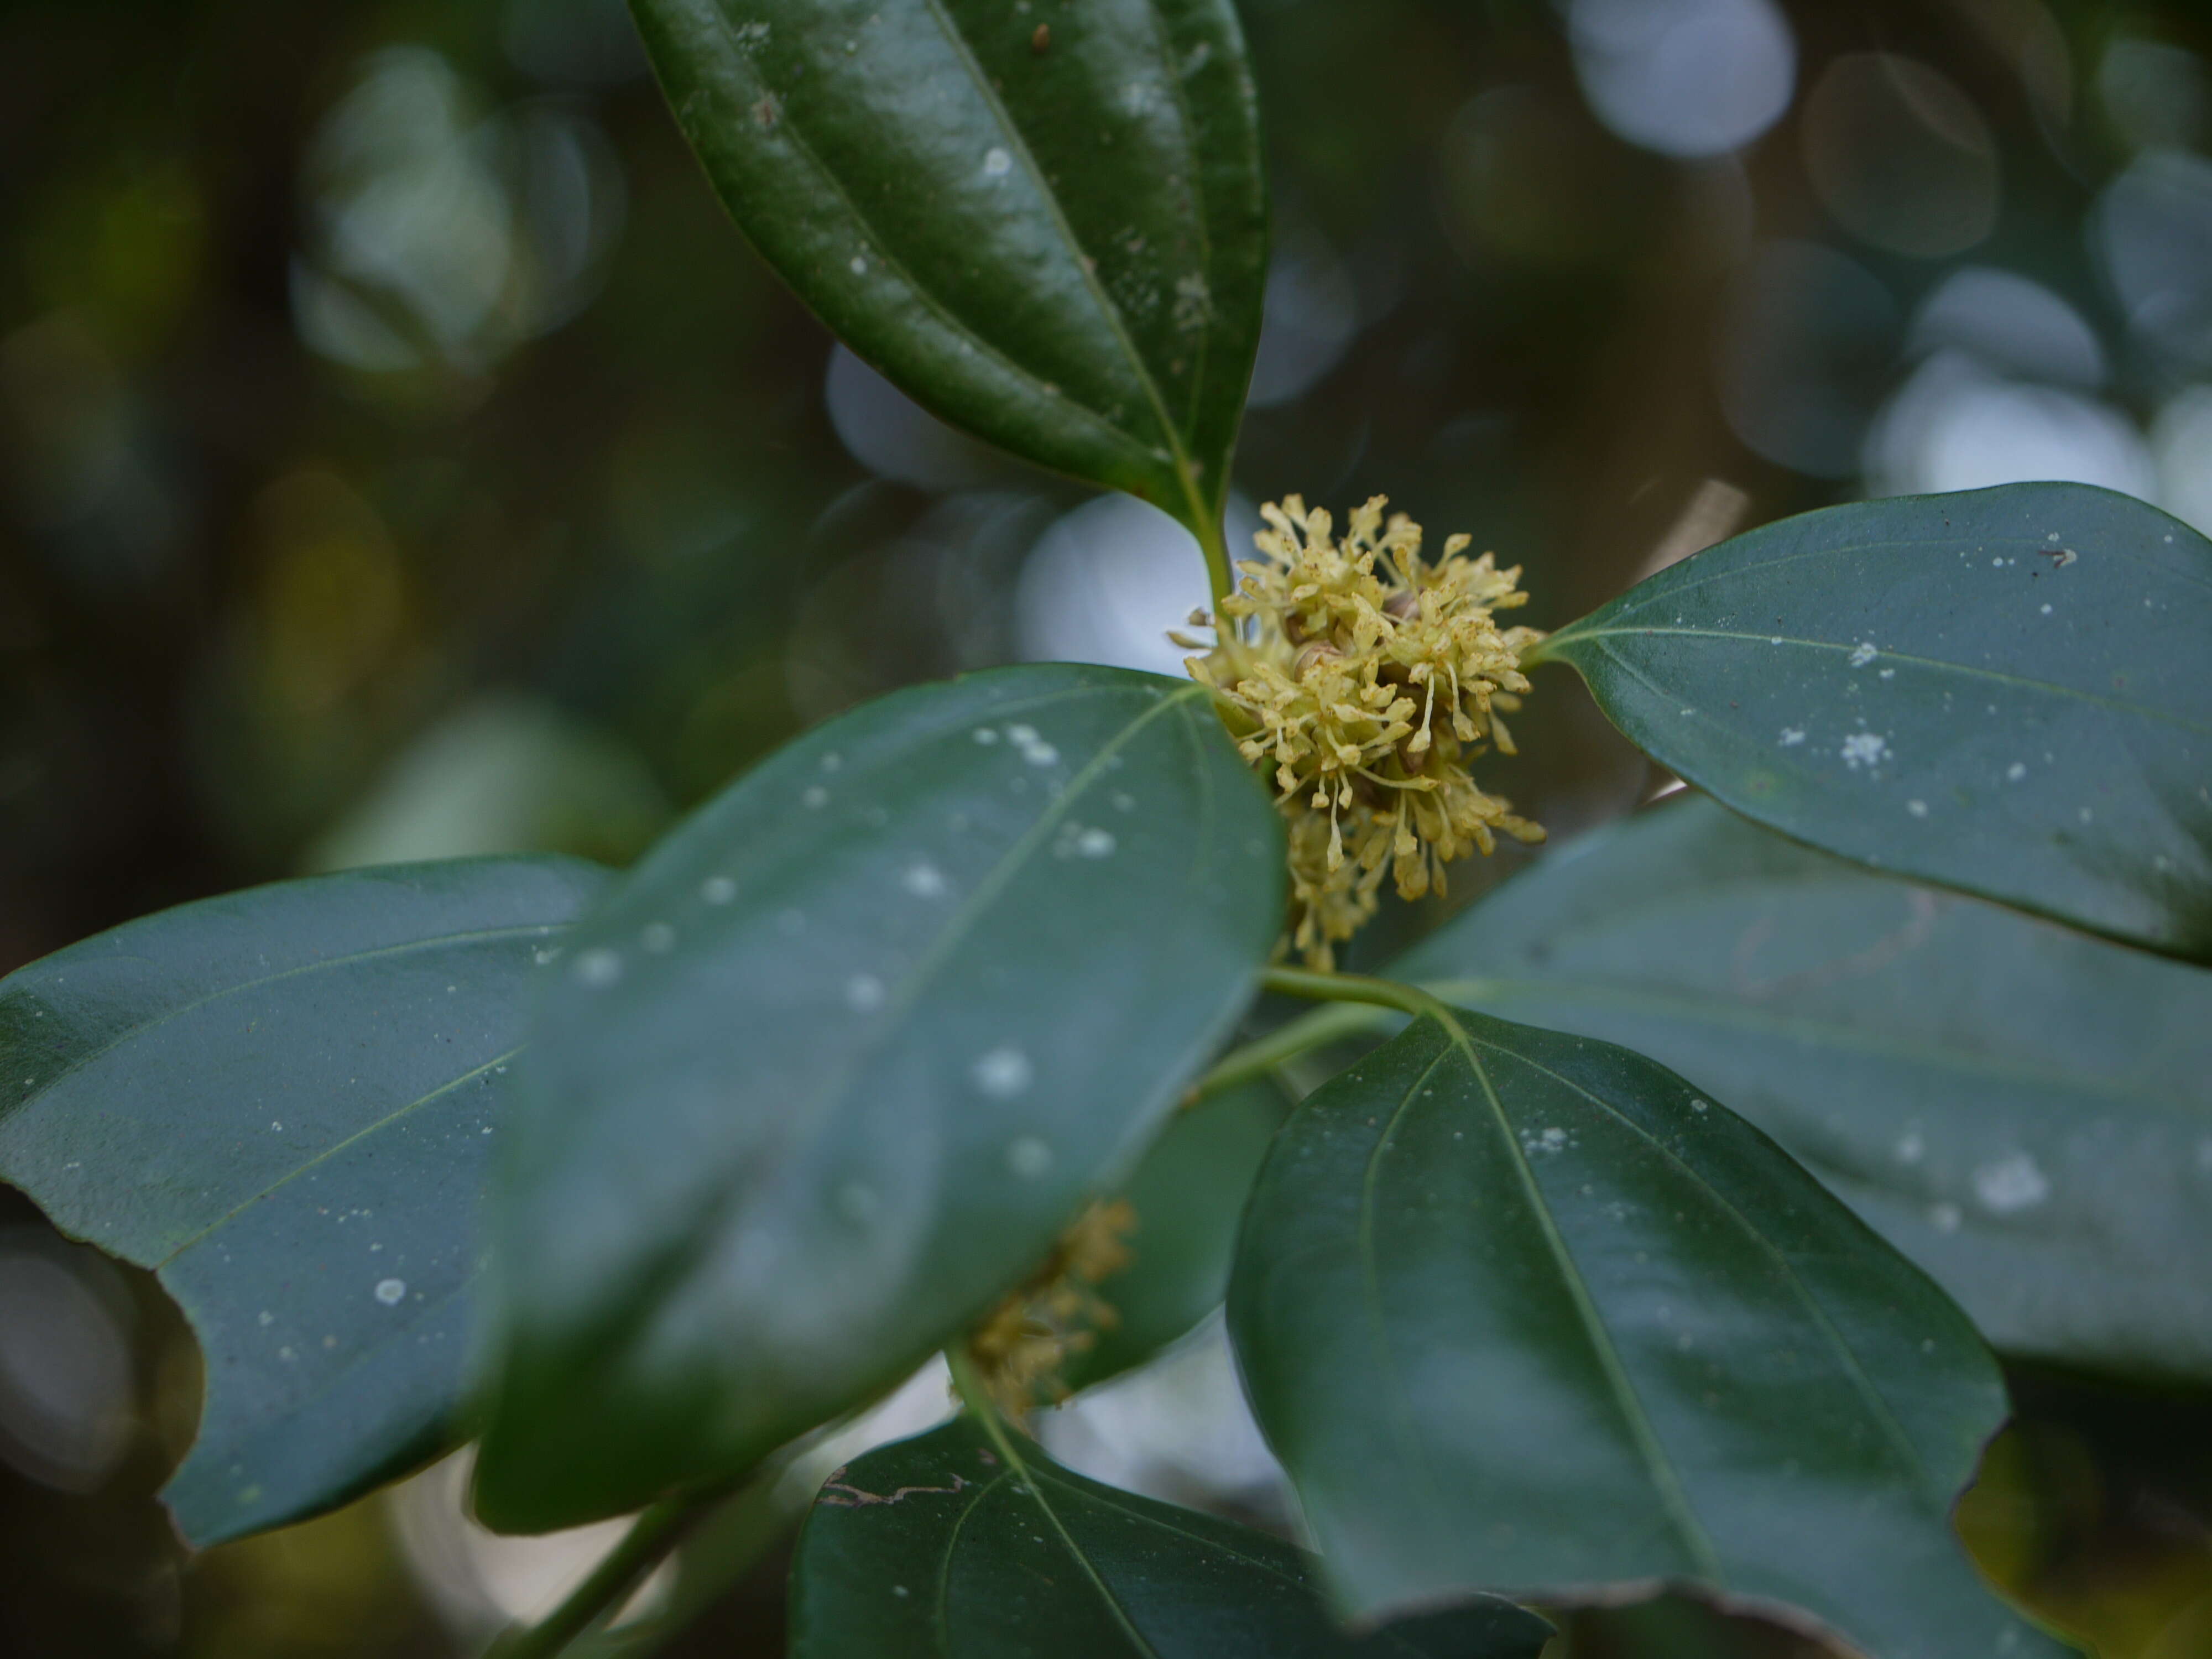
(1041, 39)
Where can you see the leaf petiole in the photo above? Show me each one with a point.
(654, 1535)
(1351, 987)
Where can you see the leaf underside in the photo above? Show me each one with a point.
(2024, 1111)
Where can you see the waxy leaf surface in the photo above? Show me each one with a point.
(1525, 1313)
(2024, 1111)
(1047, 225)
(2006, 691)
(830, 1070)
(284, 1102)
(956, 1546)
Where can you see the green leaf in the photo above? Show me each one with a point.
(956, 1546)
(836, 1064)
(1049, 228)
(2022, 1110)
(284, 1101)
(2006, 691)
(1522, 1312)
(1188, 1195)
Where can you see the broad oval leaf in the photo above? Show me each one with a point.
(2005, 691)
(959, 1545)
(1049, 228)
(283, 1100)
(1187, 1196)
(1522, 1312)
(2024, 1111)
(833, 1066)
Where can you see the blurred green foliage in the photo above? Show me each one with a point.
(400, 453)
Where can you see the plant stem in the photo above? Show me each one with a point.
(1213, 542)
(977, 1400)
(1351, 987)
(1285, 1042)
(648, 1541)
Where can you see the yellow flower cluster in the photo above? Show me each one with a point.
(1366, 680)
(1022, 1344)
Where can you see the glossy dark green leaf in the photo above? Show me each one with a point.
(1188, 1195)
(833, 1066)
(2006, 691)
(1522, 1312)
(284, 1101)
(1048, 226)
(2024, 1111)
(955, 1546)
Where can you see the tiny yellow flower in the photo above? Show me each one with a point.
(1024, 1344)
(1363, 681)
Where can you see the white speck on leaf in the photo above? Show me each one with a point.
(996, 162)
(1944, 1218)
(1917, 808)
(718, 889)
(1029, 1157)
(1910, 1147)
(1003, 1073)
(985, 735)
(1863, 654)
(2011, 1183)
(1864, 749)
(1791, 737)
(389, 1290)
(864, 992)
(814, 795)
(924, 880)
(860, 266)
(2016, 771)
(599, 967)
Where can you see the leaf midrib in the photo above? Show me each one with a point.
(1005, 1442)
(1936, 664)
(333, 1150)
(131, 1033)
(879, 246)
(1829, 1034)
(1660, 1465)
(1900, 1442)
(715, 1209)
(1086, 266)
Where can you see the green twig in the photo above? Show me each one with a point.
(1351, 987)
(1285, 1042)
(976, 1399)
(1213, 542)
(643, 1547)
